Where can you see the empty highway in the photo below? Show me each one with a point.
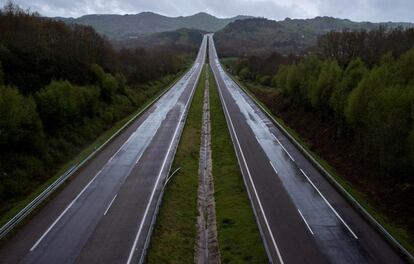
(103, 214)
(302, 218)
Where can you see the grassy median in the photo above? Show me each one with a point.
(238, 234)
(174, 236)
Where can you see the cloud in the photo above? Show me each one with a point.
(359, 10)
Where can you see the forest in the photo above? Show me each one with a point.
(61, 86)
(360, 86)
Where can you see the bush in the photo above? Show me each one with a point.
(107, 83)
(245, 74)
(20, 125)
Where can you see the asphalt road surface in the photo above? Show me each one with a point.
(103, 215)
(302, 218)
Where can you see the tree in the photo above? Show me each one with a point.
(20, 125)
(245, 74)
(328, 81)
(107, 83)
(58, 105)
(353, 74)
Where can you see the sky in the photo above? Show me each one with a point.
(357, 10)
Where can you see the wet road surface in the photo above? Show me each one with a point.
(103, 214)
(302, 218)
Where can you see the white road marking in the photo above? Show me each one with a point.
(330, 206)
(77, 197)
(252, 183)
(139, 157)
(271, 164)
(109, 206)
(276, 139)
(134, 245)
(63, 213)
(287, 152)
(121, 147)
(304, 220)
(82, 191)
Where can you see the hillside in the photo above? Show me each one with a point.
(256, 35)
(124, 26)
(180, 40)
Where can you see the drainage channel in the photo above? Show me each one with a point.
(207, 249)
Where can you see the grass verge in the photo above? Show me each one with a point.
(399, 233)
(174, 235)
(238, 234)
(19, 205)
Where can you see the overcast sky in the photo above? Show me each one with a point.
(358, 10)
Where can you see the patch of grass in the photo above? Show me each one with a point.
(19, 205)
(399, 233)
(238, 234)
(174, 235)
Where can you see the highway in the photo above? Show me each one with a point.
(104, 213)
(302, 218)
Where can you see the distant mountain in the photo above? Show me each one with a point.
(320, 25)
(125, 26)
(286, 36)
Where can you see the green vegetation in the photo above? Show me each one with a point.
(20, 204)
(174, 236)
(238, 234)
(370, 104)
(354, 109)
(57, 97)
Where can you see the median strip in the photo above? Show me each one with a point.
(207, 248)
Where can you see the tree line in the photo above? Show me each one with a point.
(61, 86)
(363, 82)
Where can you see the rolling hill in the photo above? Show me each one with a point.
(256, 35)
(125, 26)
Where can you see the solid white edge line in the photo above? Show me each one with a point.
(109, 206)
(304, 220)
(63, 213)
(330, 206)
(252, 183)
(271, 164)
(131, 254)
(275, 138)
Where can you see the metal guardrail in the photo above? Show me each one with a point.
(34, 203)
(154, 218)
(397, 245)
(20, 216)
